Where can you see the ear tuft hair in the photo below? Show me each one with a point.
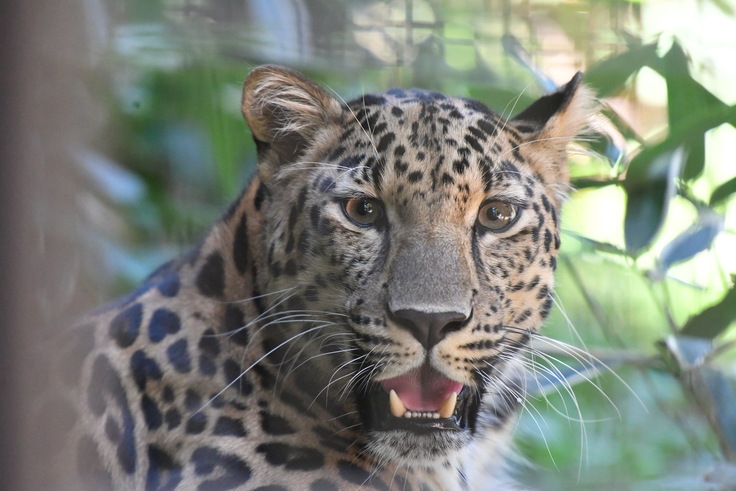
(284, 111)
(565, 113)
(554, 121)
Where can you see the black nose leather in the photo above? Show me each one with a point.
(429, 328)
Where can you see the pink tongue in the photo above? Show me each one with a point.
(424, 389)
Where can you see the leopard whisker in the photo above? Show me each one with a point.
(320, 353)
(293, 368)
(584, 358)
(303, 347)
(531, 410)
(263, 357)
(333, 380)
(570, 325)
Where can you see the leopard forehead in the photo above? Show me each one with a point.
(420, 151)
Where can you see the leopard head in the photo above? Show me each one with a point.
(415, 237)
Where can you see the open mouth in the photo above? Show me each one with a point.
(421, 401)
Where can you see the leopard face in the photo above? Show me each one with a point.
(415, 237)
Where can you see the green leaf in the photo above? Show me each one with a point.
(622, 125)
(645, 210)
(714, 320)
(697, 238)
(685, 98)
(723, 192)
(593, 182)
(695, 157)
(595, 244)
(609, 76)
(649, 185)
(723, 6)
(723, 401)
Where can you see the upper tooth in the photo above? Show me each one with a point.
(397, 406)
(449, 406)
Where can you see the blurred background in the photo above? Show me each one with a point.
(122, 141)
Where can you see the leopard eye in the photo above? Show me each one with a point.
(497, 216)
(365, 212)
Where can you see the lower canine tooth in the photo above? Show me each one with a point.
(449, 406)
(397, 406)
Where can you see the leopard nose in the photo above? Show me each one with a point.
(429, 328)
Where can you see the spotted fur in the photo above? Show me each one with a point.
(256, 360)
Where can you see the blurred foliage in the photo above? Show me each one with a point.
(650, 208)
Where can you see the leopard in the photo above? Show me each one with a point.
(358, 318)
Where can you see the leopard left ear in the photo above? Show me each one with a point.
(284, 110)
(559, 116)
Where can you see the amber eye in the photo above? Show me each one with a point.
(363, 211)
(497, 216)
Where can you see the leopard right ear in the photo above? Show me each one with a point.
(284, 110)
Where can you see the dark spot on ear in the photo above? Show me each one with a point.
(211, 278)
